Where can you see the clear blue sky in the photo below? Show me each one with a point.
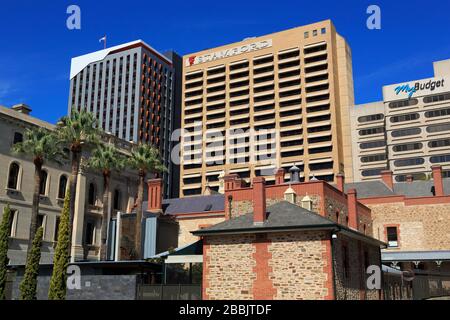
(36, 47)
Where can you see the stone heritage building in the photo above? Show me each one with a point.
(17, 184)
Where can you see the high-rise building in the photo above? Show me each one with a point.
(267, 102)
(132, 91)
(408, 132)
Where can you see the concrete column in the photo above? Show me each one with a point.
(77, 252)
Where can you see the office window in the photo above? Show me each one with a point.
(437, 113)
(392, 237)
(409, 162)
(439, 143)
(370, 118)
(13, 176)
(372, 144)
(406, 132)
(437, 98)
(306, 34)
(373, 158)
(405, 117)
(438, 128)
(403, 103)
(371, 131)
(372, 172)
(314, 33)
(440, 159)
(408, 147)
(323, 30)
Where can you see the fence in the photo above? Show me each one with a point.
(421, 286)
(169, 292)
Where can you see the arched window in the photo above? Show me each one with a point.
(116, 202)
(62, 187)
(92, 194)
(13, 177)
(337, 216)
(43, 187)
(18, 137)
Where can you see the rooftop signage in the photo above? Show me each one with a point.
(226, 53)
(419, 88)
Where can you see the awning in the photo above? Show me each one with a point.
(191, 253)
(403, 256)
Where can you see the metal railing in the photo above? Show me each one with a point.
(169, 292)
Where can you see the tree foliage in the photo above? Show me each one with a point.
(28, 286)
(4, 237)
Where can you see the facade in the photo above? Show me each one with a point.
(133, 91)
(264, 103)
(413, 218)
(17, 186)
(301, 241)
(408, 132)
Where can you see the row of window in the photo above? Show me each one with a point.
(405, 132)
(414, 101)
(14, 176)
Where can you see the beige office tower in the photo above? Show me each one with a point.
(265, 103)
(408, 132)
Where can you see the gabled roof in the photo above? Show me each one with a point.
(282, 215)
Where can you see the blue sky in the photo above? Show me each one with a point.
(36, 47)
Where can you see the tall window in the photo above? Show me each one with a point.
(58, 220)
(43, 187)
(13, 177)
(12, 219)
(92, 194)
(392, 236)
(117, 202)
(62, 187)
(90, 231)
(345, 262)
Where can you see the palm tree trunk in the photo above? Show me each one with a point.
(138, 227)
(36, 199)
(76, 154)
(105, 220)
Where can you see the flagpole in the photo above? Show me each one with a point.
(105, 42)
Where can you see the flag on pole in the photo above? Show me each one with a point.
(104, 41)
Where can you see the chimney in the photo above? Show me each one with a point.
(295, 174)
(154, 195)
(259, 200)
(352, 205)
(409, 178)
(386, 176)
(279, 176)
(22, 108)
(437, 178)
(340, 179)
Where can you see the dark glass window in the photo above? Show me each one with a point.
(18, 137)
(403, 103)
(373, 117)
(437, 113)
(437, 98)
(117, 200)
(440, 159)
(438, 128)
(372, 172)
(373, 158)
(406, 132)
(405, 117)
(409, 162)
(372, 144)
(90, 230)
(370, 131)
(408, 147)
(439, 143)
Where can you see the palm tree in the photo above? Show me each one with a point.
(105, 158)
(145, 159)
(77, 130)
(43, 146)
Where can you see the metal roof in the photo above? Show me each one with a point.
(198, 204)
(390, 256)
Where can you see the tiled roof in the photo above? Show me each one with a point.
(196, 204)
(281, 215)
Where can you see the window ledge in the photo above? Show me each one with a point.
(14, 191)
